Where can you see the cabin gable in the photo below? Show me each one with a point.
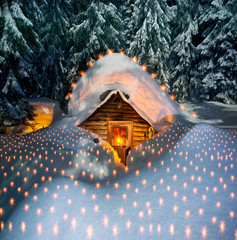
(116, 109)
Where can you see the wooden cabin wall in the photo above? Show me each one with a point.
(115, 111)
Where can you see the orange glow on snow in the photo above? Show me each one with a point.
(163, 87)
(89, 231)
(10, 226)
(128, 224)
(110, 51)
(222, 226)
(82, 73)
(73, 85)
(172, 229)
(172, 97)
(39, 229)
(74, 223)
(91, 64)
(134, 59)
(188, 232)
(231, 214)
(144, 67)
(1, 211)
(2, 225)
(204, 232)
(55, 229)
(12, 201)
(153, 75)
(115, 230)
(23, 226)
(214, 220)
(69, 95)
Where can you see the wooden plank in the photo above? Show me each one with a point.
(140, 129)
(103, 125)
(141, 125)
(98, 131)
(93, 123)
(124, 111)
(115, 106)
(94, 127)
(119, 118)
(140, 121)
(115, 114)
(139, 134)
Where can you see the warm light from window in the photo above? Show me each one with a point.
(120, 136)
(119, 141)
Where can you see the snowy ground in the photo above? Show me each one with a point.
(219, 114)
(58, 183)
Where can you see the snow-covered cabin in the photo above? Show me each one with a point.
(121, 103)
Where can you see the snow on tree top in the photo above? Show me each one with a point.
(118, 73)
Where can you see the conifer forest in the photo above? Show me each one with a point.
(190, 45)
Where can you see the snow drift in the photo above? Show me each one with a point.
(180, 185)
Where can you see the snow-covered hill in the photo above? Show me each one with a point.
(179, 185)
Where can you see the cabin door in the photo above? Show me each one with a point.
(120, 137)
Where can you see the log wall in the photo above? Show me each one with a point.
(116, 109)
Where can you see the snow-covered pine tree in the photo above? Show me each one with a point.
(14, 106)
(18, 43)
(183, 52)
(79, 6)
(215, 74)
(151, 41)
(53, 39)
(127, 9)
(95, 30)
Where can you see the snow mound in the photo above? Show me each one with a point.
(115, 73)
(186, 189)
(42, 156)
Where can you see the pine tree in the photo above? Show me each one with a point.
(53, 77)
(183, 52)
(127, 9)
(216, 68)
(18, 43)
(151, 40)
(79, 6)
(94, 31)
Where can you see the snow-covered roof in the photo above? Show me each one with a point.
(118, 73)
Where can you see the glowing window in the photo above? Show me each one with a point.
(120, 135)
